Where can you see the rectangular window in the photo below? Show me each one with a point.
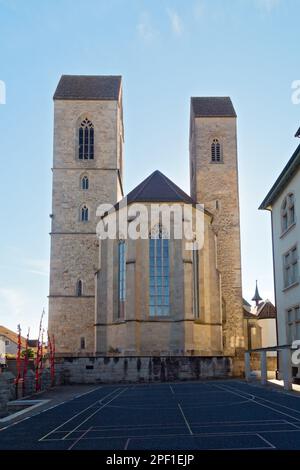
(290, 266)
(291, 209)
(82, 343)
(122, 279)
(293, 324)
(159, 289)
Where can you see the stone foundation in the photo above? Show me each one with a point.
(104, 369)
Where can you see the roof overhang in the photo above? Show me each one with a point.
(283, 179)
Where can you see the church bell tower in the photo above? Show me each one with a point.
(214, 183)
(87, 171)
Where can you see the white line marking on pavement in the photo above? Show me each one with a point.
(266, 440)
(75, 416)
(127, 444)
(95, 412)
(79, 438)
(261, 404)
(185, 420)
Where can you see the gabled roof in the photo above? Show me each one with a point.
(266, 310)
(158, 188)
(12, 336)
(88, 87)
(248, 314)
(214, 106)
(246, 303)
(283, 179)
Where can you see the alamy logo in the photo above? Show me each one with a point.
(141, 221)
(296, 93)
(2, 92)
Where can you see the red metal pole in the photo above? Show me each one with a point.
(51, 358)
(41, 361)
(38, 356)
(53, 361)
(25, 367)
(18, 360)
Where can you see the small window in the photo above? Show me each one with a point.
(84, 215)
(84, 183)
(86, 140)
(79, 288)
(216, 156)
(6, 342)
(288, 212)
(82, 343)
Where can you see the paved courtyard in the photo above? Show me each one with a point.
(227, 414)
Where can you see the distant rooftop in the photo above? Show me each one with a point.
(298, 133)
(88, 87)
(214, 106)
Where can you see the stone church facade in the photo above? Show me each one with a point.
(144, 297)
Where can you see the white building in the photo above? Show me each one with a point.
(283, 201)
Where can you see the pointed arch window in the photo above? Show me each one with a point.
(86, 140)
(84, 183)
(84, 214)
(79, 288)
(196, 281)
(216, 153)
(159, 275)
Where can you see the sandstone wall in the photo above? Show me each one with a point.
(141, 369)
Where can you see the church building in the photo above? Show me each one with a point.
(148, 296)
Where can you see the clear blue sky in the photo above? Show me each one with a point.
(166, 51)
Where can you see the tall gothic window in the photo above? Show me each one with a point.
(216, 156)
(79, 288)
(196, 283)
(159, 294)
(288, 212)
(84, 215)
(84, 183)
(122, 279)
(86, 140)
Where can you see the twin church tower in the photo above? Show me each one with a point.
(109, 297)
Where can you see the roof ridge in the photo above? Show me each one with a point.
(174, 187)
(143, 184)
(87, 75)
